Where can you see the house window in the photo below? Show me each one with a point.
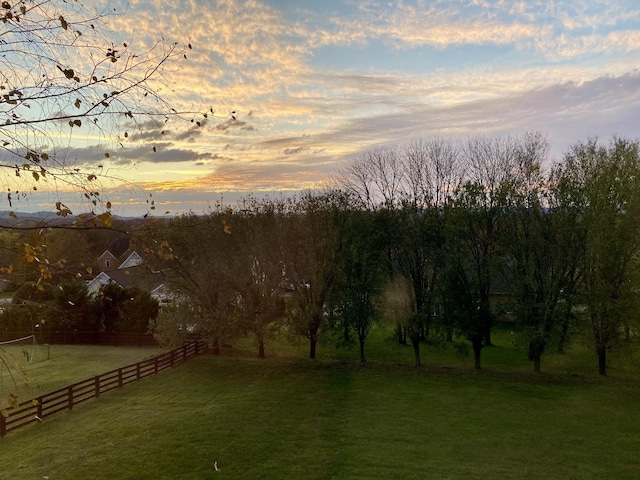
(107, 263)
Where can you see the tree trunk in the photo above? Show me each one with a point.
(215, 346)
(537, 345)
(536, 364)
(627, 332)
(427, 328)
(362, 359)
(487, 337)
(476, 342)
(312, 346)
(415, 341)
(601, 351)
(402, 337)
(261, 347)
(563, 336)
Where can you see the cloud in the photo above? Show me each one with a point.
(165, 152)
(486, 67)
(233, 124)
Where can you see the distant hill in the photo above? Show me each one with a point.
(41, 219)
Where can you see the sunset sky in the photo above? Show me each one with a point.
(315, 82)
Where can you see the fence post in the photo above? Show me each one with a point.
(138, 371)
(70, 395)
(120, 377)
(97, 386)
(155, 365)
(39, 407)
(172, 357)
(3, 425)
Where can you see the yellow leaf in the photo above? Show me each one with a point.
(4, 413)
(29, 253)
(89, 270)
(35, 402)
(106, 219)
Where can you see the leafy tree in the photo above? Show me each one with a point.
(355, 300)
(69, 253)
(603, 183)
(411, 186)
(540, 249)
(418, 259)
(71, 308)
(138, 311)
(195, 254)
(127, 309)
(475, 215)
(310, 253)
(175, 322)
(258, 271)
(42, 308)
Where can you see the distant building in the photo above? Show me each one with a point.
(127, 271)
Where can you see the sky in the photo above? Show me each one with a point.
(313, 83)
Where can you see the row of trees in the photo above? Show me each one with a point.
(422, 235)
(67, 307)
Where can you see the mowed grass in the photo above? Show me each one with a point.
(289, 417)
(57, 366)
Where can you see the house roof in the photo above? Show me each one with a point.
(119, 246)
(136, 276)
(134, 259)
(107, 261)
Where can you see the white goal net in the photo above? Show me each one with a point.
(23, 350)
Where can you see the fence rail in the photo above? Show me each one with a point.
(68, 397)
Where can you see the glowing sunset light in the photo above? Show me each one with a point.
(299, 88)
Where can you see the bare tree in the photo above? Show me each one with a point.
(374, 177)
(62, 75)
(431, 171)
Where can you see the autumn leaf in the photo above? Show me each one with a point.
(106, 219)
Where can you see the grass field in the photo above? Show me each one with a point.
(288, 417)
(57, 366)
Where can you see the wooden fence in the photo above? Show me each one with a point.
(66, 398)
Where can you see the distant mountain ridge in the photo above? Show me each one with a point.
(40, 219)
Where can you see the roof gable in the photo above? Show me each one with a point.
(107, 261)
(133, 260)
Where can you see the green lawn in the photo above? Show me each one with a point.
(57, 366)
(289, 417)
